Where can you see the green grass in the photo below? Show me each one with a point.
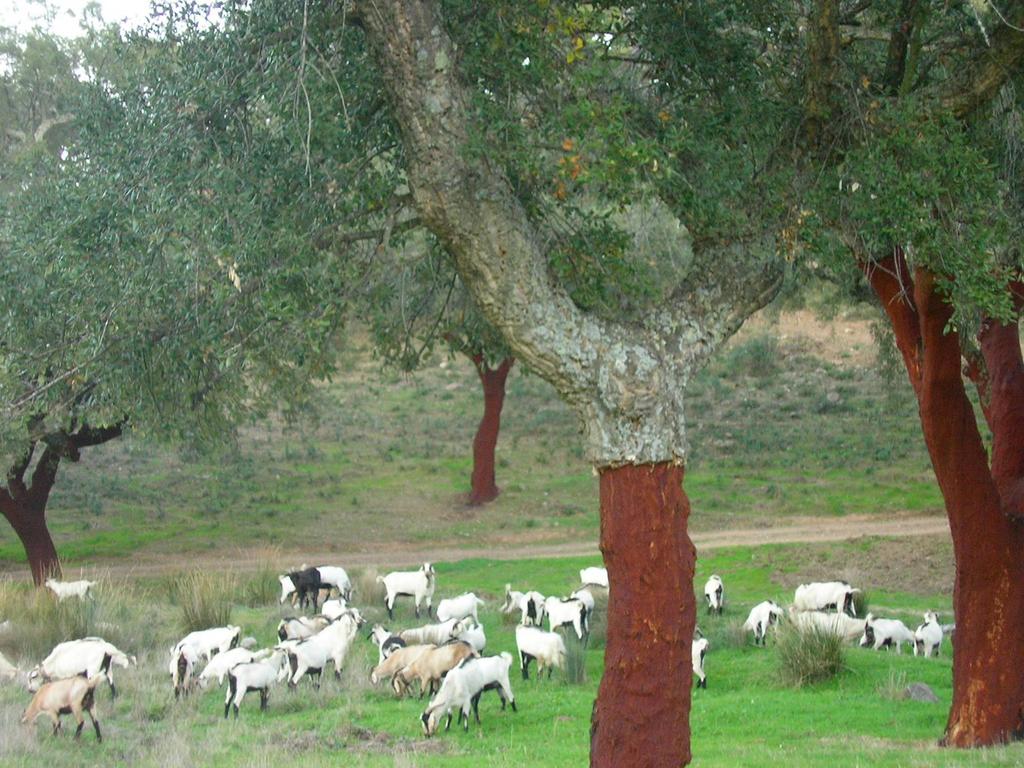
(386, 462)
(746, 717)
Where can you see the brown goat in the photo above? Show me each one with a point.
(66, 697)
(431, 667)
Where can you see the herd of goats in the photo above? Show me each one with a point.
(444, 659)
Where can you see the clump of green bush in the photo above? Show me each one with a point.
(809, 655)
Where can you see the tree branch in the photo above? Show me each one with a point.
(978, 81)
(890, 278)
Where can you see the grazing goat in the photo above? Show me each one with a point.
(762, 617)
(301, 627)
(822, 596)
(66, 589)
(70, 696)
(548, 648)
(463, 687)
(596, 576)
(714, 593)
(254, 676)
(418, 585)
(562, 612)
(330, 644)
(386, 642)
(182, 668)
(885, 633)
(333, 608)
(397, 661)
(460, 607)
(89, 656)
(430, 668)
(474, 636)
(928, 636)
(207, 642)
(513, 600)
(436, 634)
(306, 584)
(222, 663)
(698, 650)
(839, 624)
(533, 609)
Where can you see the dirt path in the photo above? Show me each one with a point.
(804, 530)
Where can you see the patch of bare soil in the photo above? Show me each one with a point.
(925, 568)
(842, 341)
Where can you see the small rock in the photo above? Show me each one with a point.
(833, 397)
(920, 692)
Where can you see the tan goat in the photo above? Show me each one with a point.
(398, 660)
(62, 697)
(431, 667)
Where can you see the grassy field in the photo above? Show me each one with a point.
(779, 427)
(745, 717)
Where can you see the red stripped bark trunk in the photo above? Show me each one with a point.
(642, 714)
(483, 486)
(29, 523)
(982, 500)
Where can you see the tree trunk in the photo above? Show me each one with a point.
(29, 522)
(641, 717)
(988, 540)
(483, 487)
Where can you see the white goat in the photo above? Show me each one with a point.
(714, 593)
(330, 644)
(928, 636)
(416, 584)
(596, 576)
(182, 667)
(821, 596)
(548, 648)
(761, 617)
(562, 612)
(513, 600)
(885, 633)
(846, 627)
(698, 650)
(463, 687)
(222, 663)
(89, 656)
(207, 642)
(532, 609)
(65, 589)
(300, 627)
(386, 642)
(254, 676)
(475, 637)
(586, 597)
(459, 607)
(333, 608)
(436, 634)
(70, 696)
(337, 577)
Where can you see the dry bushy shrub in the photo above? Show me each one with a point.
(575, 670)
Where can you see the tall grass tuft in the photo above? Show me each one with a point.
(808, 656)
(575, 670)
(893, 687)
(758, 356)
(724, 632)
(860, 603)
(366, 589)
(263, 588)
(204, 599)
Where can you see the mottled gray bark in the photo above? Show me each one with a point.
(625, 381)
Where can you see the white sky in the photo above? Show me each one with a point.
(24, 14)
